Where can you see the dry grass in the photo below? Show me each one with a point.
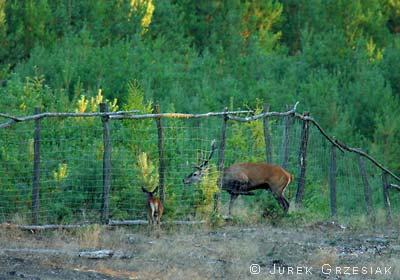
(200, 252)
(89, 237)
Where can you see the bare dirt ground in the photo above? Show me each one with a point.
(317, 251)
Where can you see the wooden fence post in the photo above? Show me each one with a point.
(267, 136)
(36, 171)
(105, 200)
(286, 139)
(386, 198)
(221, 160)
(302, 160)
(367, 188)
(161, 168)
(332, 183)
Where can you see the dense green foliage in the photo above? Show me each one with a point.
(339, 58)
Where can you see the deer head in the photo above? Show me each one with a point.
(198, 174)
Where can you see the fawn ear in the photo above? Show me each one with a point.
(144, 190)
(155, 190)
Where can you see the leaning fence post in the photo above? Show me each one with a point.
(105, 200)
(161, 168)
(302, 159)
(286, 138)
(36, 171)
(367, 188)
(386, 198)
(332, 183)
(221, 160)
(267, 136)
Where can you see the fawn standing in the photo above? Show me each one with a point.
(154, 205)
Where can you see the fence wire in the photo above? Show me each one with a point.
(71, 169)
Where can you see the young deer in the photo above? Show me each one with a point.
(154, 205)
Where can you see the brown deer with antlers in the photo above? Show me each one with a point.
(242, 178)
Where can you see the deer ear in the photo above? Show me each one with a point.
(144, 190)
(155, 190)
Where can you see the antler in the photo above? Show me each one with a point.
(205, 162)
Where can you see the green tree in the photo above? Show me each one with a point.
(28, 23)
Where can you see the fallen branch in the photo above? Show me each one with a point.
(110, 223)
(41, 227)
(127, 222)
(145, 222)
(96, 254)
(101, 254)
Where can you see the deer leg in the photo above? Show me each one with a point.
(160, 212)
(283, 202)
(158, 217)
(286, 203)
(152, 215)
(233, 198)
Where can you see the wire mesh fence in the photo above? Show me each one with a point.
(71, 169)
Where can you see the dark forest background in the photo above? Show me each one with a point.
(340, 59)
